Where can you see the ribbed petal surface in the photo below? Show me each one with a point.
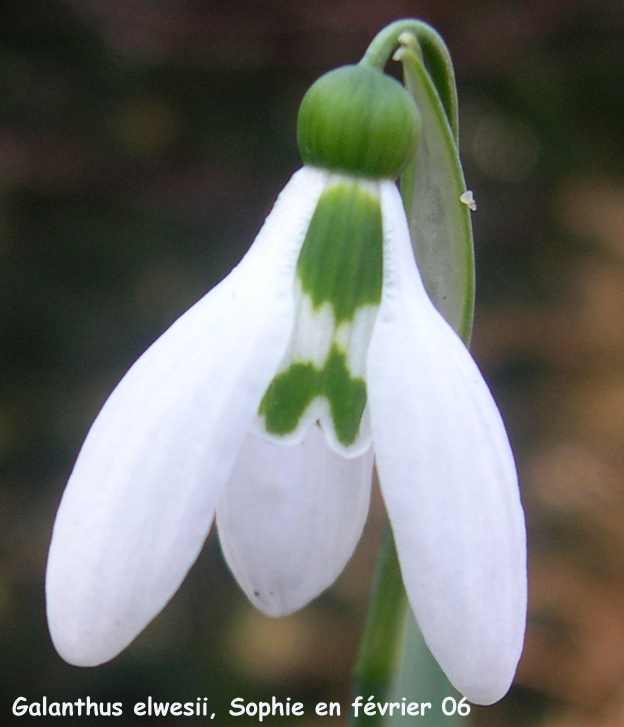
(290, 518)
(448, 479)
(142, 495)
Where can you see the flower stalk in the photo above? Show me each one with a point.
(381, 648)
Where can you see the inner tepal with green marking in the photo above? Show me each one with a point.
(362, 126)
(338, 289)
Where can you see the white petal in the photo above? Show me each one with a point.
(290, 518)
(142, 495)
(448, 480)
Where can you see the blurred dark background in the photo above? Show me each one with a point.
(142, 143)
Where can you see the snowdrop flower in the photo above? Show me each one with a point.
(269, 402)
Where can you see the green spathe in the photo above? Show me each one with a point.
(293, 390)
(341, 258)
(356, 119)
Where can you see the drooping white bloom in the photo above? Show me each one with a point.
(269, 402)
(212, 419)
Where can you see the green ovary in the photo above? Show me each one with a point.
(292, 391)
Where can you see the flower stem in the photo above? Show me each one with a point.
(434, 52)
(381, 648)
